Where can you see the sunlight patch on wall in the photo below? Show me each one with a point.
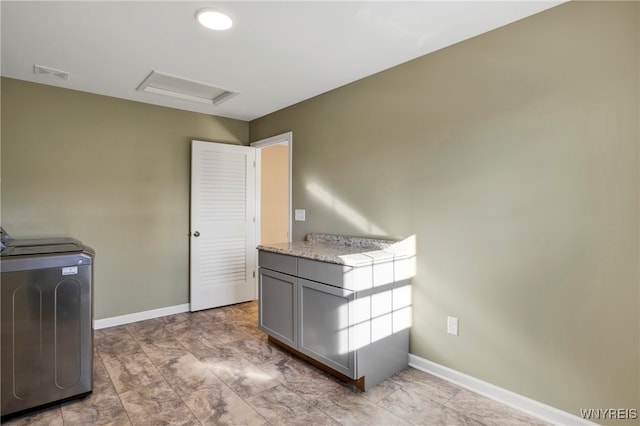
(343, 209)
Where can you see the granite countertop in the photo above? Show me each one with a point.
(342, 250)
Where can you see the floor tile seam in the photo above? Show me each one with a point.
(270, 375)
(256, 411)
(325, 413)
(386, 397)
(463, 412)
(206, 365)
(203, 387)
(156, 365)
(215, 374)
(473, 418)
(393, 414)
(136, 334)
(175, 388)
(112, 355)
(329, 415)
(115, 389)
(113, 385)
(153, 383)
(62, 412)
(164, 321)
(312, 403)
(168, 382)
(59, 407)
(402, 382)
(315, 374)
(200, 339)
(135, 423)
(186, 324)
(240, 357)
(189, 408)
(125, 410)
(240, 339)
(131, 336)
(280, 383)
(422, 396)
(452, 396)
(244, 399)
(139, 337)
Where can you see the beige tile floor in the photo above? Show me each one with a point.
(216, 368)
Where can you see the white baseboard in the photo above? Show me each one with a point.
(140, 316)
(503, 396)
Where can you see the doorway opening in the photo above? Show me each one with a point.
(273, 189)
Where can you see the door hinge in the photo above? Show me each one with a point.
(254, 274)
(254, 219)
(254, 164)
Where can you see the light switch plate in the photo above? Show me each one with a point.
(300, 215)
(452, 326)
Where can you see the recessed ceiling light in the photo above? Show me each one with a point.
(214, 20)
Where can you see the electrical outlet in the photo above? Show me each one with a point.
(452, 326)
(300, 215)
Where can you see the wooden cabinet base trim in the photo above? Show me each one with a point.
(357, 383)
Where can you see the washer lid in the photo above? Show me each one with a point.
(42, 246)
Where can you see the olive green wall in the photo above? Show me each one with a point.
(112, 173)
(513, 158)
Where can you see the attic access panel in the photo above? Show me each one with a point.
(183, 88)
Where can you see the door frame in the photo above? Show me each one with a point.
(282, 139)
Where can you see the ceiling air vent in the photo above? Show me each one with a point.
(40, 70)
(182, 88)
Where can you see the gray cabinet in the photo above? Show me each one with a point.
(278, 307)
(339, 316)
(326, 319)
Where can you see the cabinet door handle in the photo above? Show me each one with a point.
(196, 234)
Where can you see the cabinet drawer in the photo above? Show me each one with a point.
(343, 276)
(323, 272)
(278, 262)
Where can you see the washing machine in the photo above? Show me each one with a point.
(46, 321)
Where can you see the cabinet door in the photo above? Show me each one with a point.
(326, 325)
(278, 309)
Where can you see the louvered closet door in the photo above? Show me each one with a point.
(223, 240)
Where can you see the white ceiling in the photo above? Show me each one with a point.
(275, 55)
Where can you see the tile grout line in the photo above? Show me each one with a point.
(240, 396)
(113, 386)
(167, 379)
(218, 377)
